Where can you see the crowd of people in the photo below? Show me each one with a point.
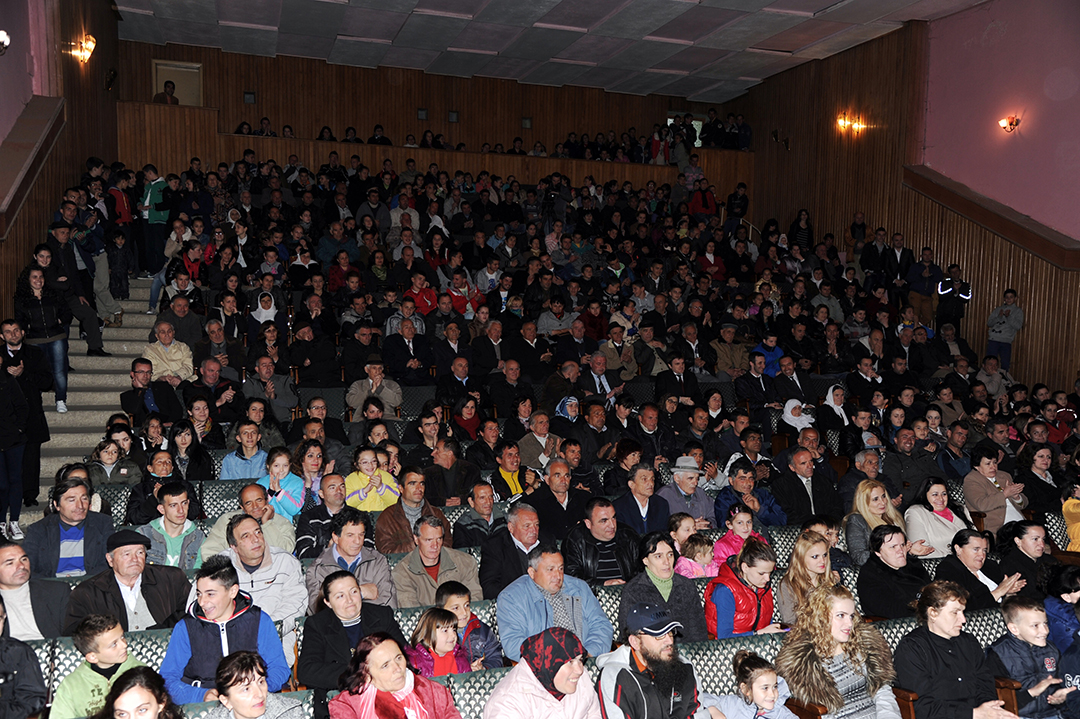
(541, 359)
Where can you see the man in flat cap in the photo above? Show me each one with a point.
(142, 596)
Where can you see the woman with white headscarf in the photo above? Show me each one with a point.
(796, 418)
(833, 413)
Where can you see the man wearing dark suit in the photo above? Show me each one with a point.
(482, 451)
(145, 396)
(898, 377)
(895, 263)
(558, 505)
(230, 353)
(450, 347)
(597, 440)
(797, 500)
(534, 354)
(408, 356)
(872, 255)
(503, 553)
(650, 351)
(678, 382)
(489, 350)
(69, 498)
(792, 383)
(48, 599)
(450, 477)
(226, 399)
(457, 385)
(504, 389)
(575, 346)
(34, 376)
(758, 389)
(695, 350)
(628, 507)
(597, 381)
(863, 382)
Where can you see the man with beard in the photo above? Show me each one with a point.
(646, 678)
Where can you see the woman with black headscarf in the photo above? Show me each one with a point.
(547, 682)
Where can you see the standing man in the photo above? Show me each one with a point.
(1004, 322)
(923, 281)
(28, 366)
(954, 294)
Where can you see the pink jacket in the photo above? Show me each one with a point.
(435, 698)
(520, 696)
(726, 546)
(689, 568)
(422, 661)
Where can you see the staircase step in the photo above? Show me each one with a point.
(117, 363)
(114, 345)
(136, 319)
(75, 440)
(99, 378)
(132, 334)
(79, 399)
(53, 459)
(80, 417)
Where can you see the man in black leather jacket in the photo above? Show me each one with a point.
(599, 537)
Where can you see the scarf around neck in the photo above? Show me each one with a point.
(546, 652)
(664, 586)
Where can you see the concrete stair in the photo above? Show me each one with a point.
(94, 388)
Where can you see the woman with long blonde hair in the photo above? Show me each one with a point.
(872, 507)
(831, 657)
(808, 568)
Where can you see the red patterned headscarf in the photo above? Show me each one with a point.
(546, 652)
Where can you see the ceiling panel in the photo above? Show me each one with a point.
(205, 10)
(643, 54)
(537, 43)
(849, 38)
(751, 29)
(485, 37)
(641, 17)
(554, 73)
(644, 83)
(254, 12)
(372, 24)
(515, 12)
(603, 76)
(704, 49)
(457, 8)
(408, 57)
(459, 64)
(357, 52)
(692, 59)
(694, 24)
(594, 49)
(304, 46)
(507, 68)
(864, 11)
(429, 32)
(249, 41)
(581, 16)
(805, 33)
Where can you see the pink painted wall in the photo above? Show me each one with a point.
(16, 81)
(1010, 57)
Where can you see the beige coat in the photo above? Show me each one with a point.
(980, 495)
(174, 360)
(415, 587)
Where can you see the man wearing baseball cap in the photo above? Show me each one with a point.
(646, 678)
(142, 596)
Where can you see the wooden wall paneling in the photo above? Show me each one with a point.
(834, 174)
(308, 94)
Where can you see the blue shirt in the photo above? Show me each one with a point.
(236, 466)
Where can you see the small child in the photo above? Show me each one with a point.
(483, 648)
(100, 639)
(696, 558)
(740, 524)
(680, 526)
(434, 649)
(829, 527)
(270, 264)
(121, 264)
(1026, 656)
(761, 693)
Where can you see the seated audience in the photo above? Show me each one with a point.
(434, 649)
(254, 502)
(639, 509)
(100, 639)
(482, 519)
(243, 691)
(1023, 654)
(934, 518)
(546, 683)
(1022, 548)
(599, 550)
(482, 648)
(313, 524)
(38, 605)
(70, 542)
(140, 690)
(888, 582)
(739, 600)
(982, 579)
(808, 568)
(394, 528)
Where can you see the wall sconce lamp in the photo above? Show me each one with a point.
(84, 48)
(855, 125)
(5, 42)
(1010, 123)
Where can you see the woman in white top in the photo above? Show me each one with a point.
(934, 518)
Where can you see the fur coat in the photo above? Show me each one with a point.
(798, 662)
